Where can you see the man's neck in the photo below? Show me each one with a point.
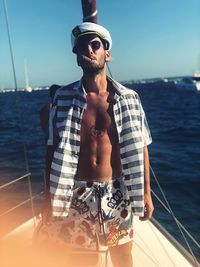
(95, 83)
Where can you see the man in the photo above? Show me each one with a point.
(97, 171)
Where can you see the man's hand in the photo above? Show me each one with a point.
(148, 207)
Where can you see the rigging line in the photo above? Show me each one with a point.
(182, 226)
(10, 43)
(173, 216)
(109, 70)
(20, 116)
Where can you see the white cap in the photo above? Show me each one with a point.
(90, 28)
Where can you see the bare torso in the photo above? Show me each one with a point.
(99, 158)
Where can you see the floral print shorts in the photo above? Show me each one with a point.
(100, 213)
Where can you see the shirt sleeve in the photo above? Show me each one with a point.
(146, 134)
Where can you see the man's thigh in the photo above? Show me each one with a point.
(121, 254)
(117, 214)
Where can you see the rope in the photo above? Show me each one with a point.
(101, 221)
(19, 111)
(109, 70)
(10, 44)
(100, 215)
(185, 230)
(173, 216)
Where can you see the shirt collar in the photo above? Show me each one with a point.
(80, 90)
(116, 87)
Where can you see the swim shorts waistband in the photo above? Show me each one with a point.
(95, 183)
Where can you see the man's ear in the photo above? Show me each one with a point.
(107, 56)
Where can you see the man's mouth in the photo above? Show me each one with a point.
(87, 58)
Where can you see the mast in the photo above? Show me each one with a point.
(89, 9)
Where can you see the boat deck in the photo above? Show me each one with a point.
(151, 249)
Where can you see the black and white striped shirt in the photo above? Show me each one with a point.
(64, 132)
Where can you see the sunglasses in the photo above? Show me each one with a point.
(83, 46)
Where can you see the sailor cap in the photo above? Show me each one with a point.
(91, 28)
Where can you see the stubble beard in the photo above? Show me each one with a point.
(90, 66)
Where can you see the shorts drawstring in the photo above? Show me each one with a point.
(100, 214)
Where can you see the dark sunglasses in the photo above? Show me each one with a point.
(83, 46)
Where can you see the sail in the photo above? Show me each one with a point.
(27, 86)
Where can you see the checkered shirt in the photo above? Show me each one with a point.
(64, 133)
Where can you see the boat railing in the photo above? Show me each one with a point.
(30, 199)
(15, 180)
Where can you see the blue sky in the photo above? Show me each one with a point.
(151, 38)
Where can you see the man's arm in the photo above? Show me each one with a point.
(148, 204)
(47, 201)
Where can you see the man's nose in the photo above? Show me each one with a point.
(89, 49)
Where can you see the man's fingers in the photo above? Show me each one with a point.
(147, 213)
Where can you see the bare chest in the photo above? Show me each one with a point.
(98, 119)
